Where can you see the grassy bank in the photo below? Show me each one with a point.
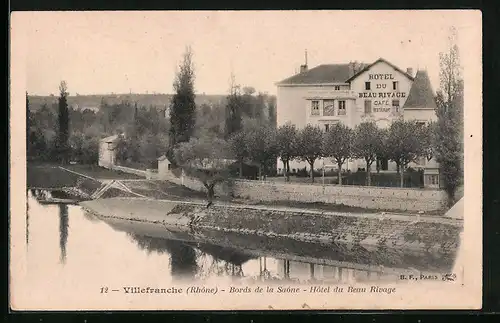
(49, 176)
(98, 172)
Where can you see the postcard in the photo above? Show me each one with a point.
(246, 160)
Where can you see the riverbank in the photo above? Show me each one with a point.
(358, 257)
(425, 234)
(179, 207)
(81, 181)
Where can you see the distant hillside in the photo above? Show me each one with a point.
(93, 101)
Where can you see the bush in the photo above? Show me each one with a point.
(302, 172)
(411, 179)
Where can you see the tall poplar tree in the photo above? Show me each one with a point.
(233, 109)
(182, 106)
(63, 123)
(449, 133)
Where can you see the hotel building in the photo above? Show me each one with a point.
(353, 93)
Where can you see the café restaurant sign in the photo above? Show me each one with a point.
(382, 92)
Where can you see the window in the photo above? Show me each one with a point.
(327, 127)
(337, 87)
(395, 105)
(342, 108)
(328, 108)
(169, 166)
(395, 86)
(315, 107)
(368, 106)
(432, 179)
(367, 86)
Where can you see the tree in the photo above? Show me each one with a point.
(233, 109)
(427, 137)
(404, 144)
(183, 107)
(368, 144)
(122, 148)
(28, 120)
(63, 123)
(449, 130)
(310, 145)
(271, 102)
(205, 159)
(337, 144)
(136, 123)
(238, 146)
(261, 147)
(210, 121)
(31, 136)
(286, 140)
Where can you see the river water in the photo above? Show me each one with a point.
(66, 246)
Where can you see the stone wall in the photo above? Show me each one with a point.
(384, 198)
(421, 234)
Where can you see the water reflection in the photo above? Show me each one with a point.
(143, 252)
(195, 260)
(182, 257)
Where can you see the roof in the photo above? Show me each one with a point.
(421, 95)
(110, 139)
(335, 73)
(367, 67)
(325, 73)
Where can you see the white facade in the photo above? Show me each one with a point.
(107, 152)
(377, 92)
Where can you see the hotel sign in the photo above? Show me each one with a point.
(381, 93)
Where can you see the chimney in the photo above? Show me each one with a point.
(357, 67)
(303, 68)
(352, 68)
(409, 71)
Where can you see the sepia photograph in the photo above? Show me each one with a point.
(246, 160)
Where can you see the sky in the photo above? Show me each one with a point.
(138, 52)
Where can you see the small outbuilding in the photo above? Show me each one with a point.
(164, 166)
(107, 151)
